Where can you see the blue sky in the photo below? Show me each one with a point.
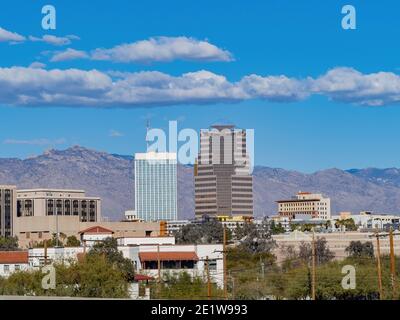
(306, 121)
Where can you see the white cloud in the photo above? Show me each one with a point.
(93, 88)
(69, 54)
(37, 65)
(163, 49)
(8, 36)
(350, 85)
(54, 40)
(35, 142)
(115, 134)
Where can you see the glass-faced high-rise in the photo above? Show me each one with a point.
(156, 186)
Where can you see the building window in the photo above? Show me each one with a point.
(212, 265)
(17, 267)
(6, 268)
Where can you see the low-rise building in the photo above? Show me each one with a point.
(93, 235)
(38, 257)
(173, 258)
(131, 215)
(183, 258)
(233, 222)
(35, 229)
(305, 205)
(13, 261)
(336, 241)
(367, 220)
(282, 220)
(174, 226)
(137, 241)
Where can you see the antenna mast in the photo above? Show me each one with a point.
(147, 131)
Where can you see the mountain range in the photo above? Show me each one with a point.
(111, 177)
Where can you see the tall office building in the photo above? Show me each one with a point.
(223, 182)
(8, 207)
(156, 186)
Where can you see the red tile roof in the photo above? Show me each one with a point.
(168, 256)
(11, 257)
(97, 229)
(142, 277)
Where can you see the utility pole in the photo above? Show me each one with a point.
(262, 268)
(392, 264)
(57, 233)
(159, 269)
(225, 266)
(158, 263)
(233, 287)
(45, 252)
(313, 266)
(208, 279)
(378, 249)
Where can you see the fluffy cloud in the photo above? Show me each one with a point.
(69, 54)
(8, 36)
(163, 49)
(37, 65)
(54, 40)
(93, 88)
(349, 85)
(13, 37)
(160, 49)
(32, 86)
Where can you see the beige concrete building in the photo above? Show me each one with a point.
(32, 229)
(336, 241)
(52, 202)
(8, 207)
(305, 205)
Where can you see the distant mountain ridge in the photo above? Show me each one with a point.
(111, 177)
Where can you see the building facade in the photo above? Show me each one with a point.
(370, 220)
(48, 202)
(32, 230)
(223, 181)
(8, 207)
(182, 258)
(156, 186)
(13, 261)
(305, 206)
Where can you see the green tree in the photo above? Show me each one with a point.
(357, 249)
(255, 238)
(109, 249)
(72, 241)
(322, 252)
(347, 223)
(182, 286)
(248, 271)
(207, 232)
(277, 228)
(8, 243)
(92, 277)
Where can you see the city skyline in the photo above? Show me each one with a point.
(275, 70)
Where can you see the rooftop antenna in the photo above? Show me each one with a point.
(147, 132)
